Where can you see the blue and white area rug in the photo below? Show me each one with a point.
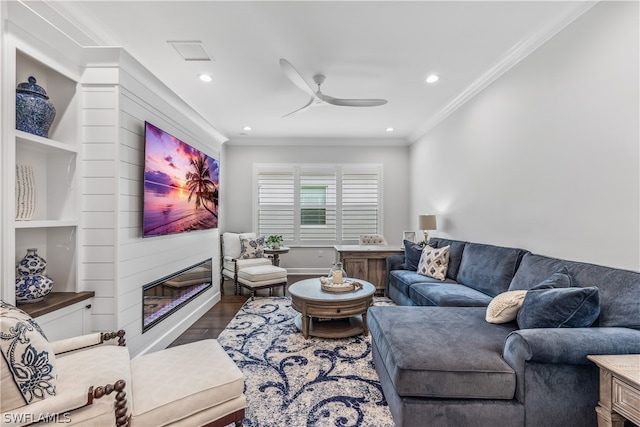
(291, 381)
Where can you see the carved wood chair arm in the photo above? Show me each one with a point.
(82, 342)
(59, 408)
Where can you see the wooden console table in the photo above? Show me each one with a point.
(619, 389)
(367, 262)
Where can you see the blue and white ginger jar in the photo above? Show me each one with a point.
(34, 111)
(32, 284)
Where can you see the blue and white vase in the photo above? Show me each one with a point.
(34, 111)
(32, 284)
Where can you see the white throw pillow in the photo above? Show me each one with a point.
(434, 262)
(231, 242)
(505, 306)
(251, 247)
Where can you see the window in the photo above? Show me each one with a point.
(318, 205)
(311, 195)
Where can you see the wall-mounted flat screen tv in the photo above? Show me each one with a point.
(180, 186)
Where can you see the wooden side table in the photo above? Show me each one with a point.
(619, 389)
(276, 254)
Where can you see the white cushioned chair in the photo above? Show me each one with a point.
(244, 262)
(91, 381)
(372, 239)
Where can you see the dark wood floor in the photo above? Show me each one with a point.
(215, 320)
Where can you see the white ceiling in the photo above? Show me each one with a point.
(367, 49)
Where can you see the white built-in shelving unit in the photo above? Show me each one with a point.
(53, 229)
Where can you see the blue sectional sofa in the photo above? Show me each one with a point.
(442, 364)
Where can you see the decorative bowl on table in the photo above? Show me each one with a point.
(347, 285)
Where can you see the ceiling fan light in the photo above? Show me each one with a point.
(432, 78)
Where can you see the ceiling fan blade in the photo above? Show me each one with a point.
(353, 102)
(295, 77)
(307, 105)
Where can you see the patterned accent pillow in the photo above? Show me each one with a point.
(28, 361)
(505, 306)
(251, 248)
(434, 262)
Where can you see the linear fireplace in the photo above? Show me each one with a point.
(164, 296)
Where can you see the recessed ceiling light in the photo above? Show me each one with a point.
(389, 129)
(205, 77)
(432, 78)
(247, 128)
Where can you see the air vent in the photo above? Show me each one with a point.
(190, 50)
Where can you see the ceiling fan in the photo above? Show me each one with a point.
(319, 98)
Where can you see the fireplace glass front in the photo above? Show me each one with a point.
(164, 296)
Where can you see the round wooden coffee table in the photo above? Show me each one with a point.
(330, 314)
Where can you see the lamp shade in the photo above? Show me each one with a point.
(427, 222)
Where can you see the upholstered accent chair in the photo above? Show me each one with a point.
(372, 239)
(91, 381)
(245, 263)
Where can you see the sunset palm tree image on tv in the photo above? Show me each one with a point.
(180, 186)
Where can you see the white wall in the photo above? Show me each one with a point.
(547, 157)
(236, 200)
(118, 97)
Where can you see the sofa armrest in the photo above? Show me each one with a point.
(395, 262)
(564, 348)
(568, 345)
(86, 341)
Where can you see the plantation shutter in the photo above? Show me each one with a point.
(318, 204)
(276, 204)
(360, 203)
(317, 207)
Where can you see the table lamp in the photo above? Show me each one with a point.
(425, 223)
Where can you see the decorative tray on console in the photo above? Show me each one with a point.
(347, 285)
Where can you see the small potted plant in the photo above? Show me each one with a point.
(274, 241)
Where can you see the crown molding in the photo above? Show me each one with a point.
(519, 52)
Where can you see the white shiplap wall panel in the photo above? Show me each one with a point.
(100, 167)
(99, 98)
(98, 151)
(98, 116)
(99, 134)
(97, 237)
(98, 270)
(99, 220)
(98, 203)
(99, 131)
(144, 260)
(99, 254)
(103, 322)
(102, 288)
(97, 186)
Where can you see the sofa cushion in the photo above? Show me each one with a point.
(455, 254)
(447, 294)
(505, 306)
(618, 289)
(443, 352)
(559, 308)
(29, 371)
(434, 262)
(403, 280)
(487, 268)
(195, 377)
(560, 279)
(412, 254)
